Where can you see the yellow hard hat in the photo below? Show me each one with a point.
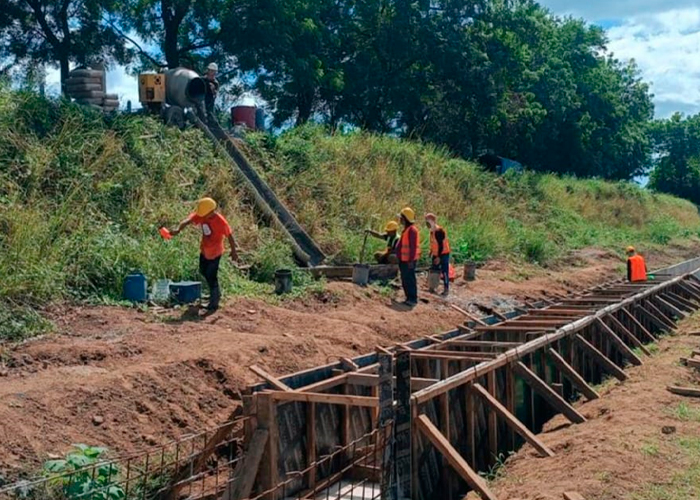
(630, 249)
(205, 206)
(392, 225)
(409, 214)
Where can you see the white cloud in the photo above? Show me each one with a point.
(597, 10)
(666, 46)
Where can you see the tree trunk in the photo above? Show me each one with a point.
(170, 49)
(305, 103)
(65, 71)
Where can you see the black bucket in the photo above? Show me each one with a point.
(470, 271)
(283, 281)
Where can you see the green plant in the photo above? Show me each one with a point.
(81, 474)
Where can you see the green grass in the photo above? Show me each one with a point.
(82, 197)
(685, 412)
(684, 484)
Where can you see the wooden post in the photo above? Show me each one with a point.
(386, 415)
(454, 458)
(576, 380)
(445, 423)
(492, 418)
(680, 302)
(403, 426)
(246, 471)
(267, 420)
(670, 307)
(661, 323)
(660, 314)
(602, 360)
(548, 394)
(511, 420)
(311, 442)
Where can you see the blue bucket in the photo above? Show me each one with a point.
(186, 292)
(136, 287)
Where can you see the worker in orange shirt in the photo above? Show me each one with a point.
(439, 250)
(636, 267)
(408, 252)
(215, 229)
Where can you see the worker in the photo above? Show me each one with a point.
(636, 267)
(408, 252)
(390, 235)
(439, 250)
(215, 229)
(211, 90)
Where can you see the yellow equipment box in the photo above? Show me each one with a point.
(152, 88)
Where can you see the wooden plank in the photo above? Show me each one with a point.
(691, 363)
(274, 382)
(511, 420)
(349, 364)
(660, 314)
(658, 322)
(267, 419)
(457, 352)
(481, 343)
(680, 302)
(628, 334)
(444, 401)
(404, 428)
(474, 480)
(580, 313)
(324, 385)
(621, 346)
(601, 358)
(692, 392)
(642, 329)
(670, 307)
(331, 399)
(506, 328)
(693, 292)
(576, 379)
(246, 470)
(467, 315)
(371, 380)
(541, 388)
(452, 356)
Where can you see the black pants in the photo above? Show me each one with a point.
(209, 268)
(444, 267)
(408, 281)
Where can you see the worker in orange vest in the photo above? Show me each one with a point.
(439, 250)
(408, 252)
(390, 235)
(215, 229)
(636, 267)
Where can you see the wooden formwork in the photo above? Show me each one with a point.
(456, 402)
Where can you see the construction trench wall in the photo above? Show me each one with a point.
(473, 429)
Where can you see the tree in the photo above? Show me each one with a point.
(57, 33)
(677, 147)
(182, 31)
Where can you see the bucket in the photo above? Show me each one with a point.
(136, 287)
(360, 274)
(186, 292)
(470, 271)
(283, 281)
(161, 291)
(433, 279)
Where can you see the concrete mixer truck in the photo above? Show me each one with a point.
(171, 93)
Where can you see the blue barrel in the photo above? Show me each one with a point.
(136, 287)
(186, 292)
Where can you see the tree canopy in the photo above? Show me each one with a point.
(504, 77)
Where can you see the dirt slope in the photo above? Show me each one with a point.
(629, 448)
(152, 378)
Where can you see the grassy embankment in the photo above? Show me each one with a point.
(81, 199)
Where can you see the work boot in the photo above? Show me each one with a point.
(445, 292)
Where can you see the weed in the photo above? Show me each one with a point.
(685, 412)
(651, 449)
(496, 470)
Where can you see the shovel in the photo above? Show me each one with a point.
(362, 251)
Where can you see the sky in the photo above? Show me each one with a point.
(662, 37)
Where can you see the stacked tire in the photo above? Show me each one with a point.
(87, 87)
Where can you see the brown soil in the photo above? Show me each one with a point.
(151, 378)
(627, 444)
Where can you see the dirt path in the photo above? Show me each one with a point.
(640, 441)
(126, 379)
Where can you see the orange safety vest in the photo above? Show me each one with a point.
(638, 269)
(434, 243)
(404, 250)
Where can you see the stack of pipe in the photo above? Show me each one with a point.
(88, 87)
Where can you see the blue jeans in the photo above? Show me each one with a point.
(444, 267)
(408, 281)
